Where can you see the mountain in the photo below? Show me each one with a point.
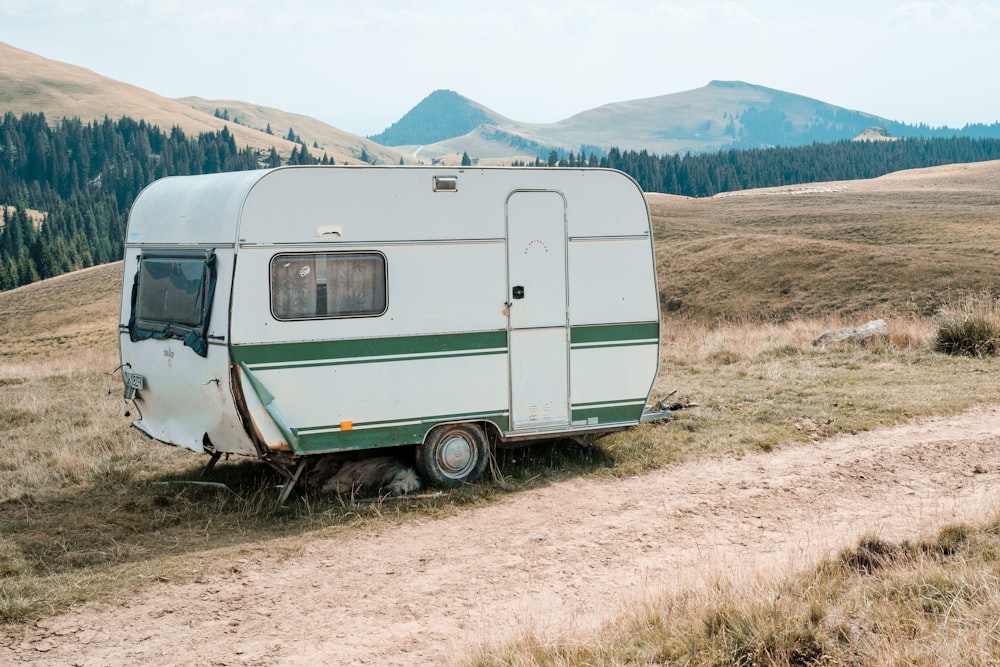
(444, 125)
(441, 115)
(718, 116)
(722, 114)
(32, 84)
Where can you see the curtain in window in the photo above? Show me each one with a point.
(293, 287)
(355, 285)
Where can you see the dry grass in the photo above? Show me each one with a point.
(879, 603)
(902, 244)
(971, 327)
(762, 386)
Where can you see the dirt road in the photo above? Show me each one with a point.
(554, 561)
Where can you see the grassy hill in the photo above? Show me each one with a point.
(32, 84)
(340, 145)
(902, 244)
(61, 315)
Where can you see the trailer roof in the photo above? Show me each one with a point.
(186, 210)
(346, 204)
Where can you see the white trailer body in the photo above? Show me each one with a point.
(305, 310)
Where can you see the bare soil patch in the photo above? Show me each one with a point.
(556, 561)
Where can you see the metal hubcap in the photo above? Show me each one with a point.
(456, 455)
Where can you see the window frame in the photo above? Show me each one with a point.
(325, 254)
(194, 336)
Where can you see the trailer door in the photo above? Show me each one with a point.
(538, 318)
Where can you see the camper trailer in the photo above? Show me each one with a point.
(300, 311)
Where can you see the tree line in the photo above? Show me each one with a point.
(707, 174)
(81, 178)
(66, 188)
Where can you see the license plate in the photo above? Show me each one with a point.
(133, 380)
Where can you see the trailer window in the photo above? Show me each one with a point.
(172, 297)
(326, 285)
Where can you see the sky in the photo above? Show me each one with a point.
(361, 65)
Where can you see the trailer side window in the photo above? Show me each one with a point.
(172, 297)
(327, 285)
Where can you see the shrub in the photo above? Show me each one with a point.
(969, 336)
(972, 330)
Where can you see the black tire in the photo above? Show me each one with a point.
(452, 455)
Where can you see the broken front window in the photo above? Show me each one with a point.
(172, 296)
(323, 285)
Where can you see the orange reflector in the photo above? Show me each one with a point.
(346, 426)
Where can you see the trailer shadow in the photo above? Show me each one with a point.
(511, 469)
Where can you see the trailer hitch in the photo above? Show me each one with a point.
(664, 409)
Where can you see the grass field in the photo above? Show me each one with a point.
(904, 244)
(91, 511)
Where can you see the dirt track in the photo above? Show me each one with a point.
(554, 561)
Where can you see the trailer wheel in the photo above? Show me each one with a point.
(453, 454)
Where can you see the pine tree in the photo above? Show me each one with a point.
(6, 276)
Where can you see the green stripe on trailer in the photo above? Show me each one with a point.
(322, 353)
(319, 353)
(613, 335)
(498, 417)
(385, 434)
(608, 412)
